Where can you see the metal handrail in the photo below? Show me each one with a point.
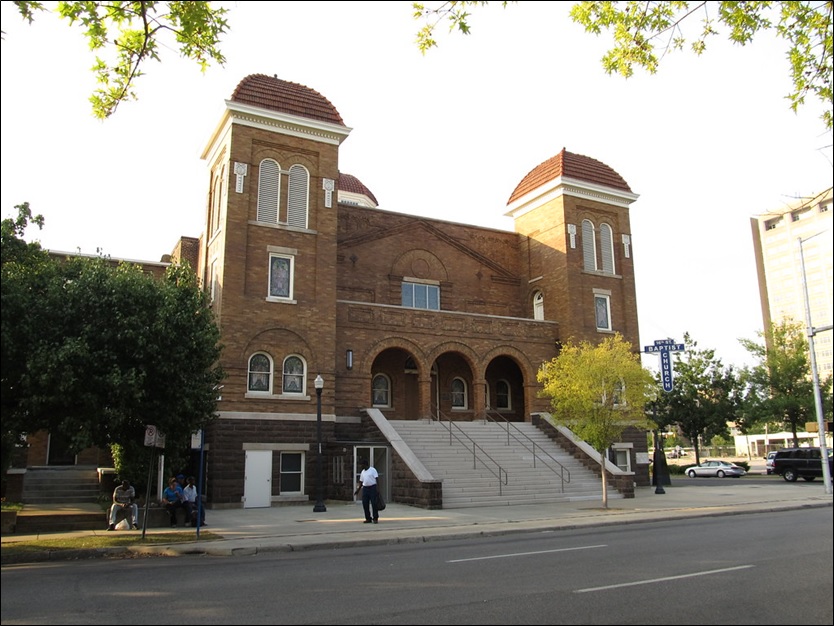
(561, 471)
(500, 474)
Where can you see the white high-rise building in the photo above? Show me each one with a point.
(777, 237)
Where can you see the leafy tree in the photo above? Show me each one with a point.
(598, 391)
(129, 33)
(106, 349)
(781, 387)
(24, 267)
(703, 398)
(644, 32)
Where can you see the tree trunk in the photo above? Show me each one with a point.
(604, 480)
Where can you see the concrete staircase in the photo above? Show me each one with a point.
(61, 485)
(470, 483)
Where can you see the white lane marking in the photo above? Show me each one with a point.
(657, 580)
(506, 556)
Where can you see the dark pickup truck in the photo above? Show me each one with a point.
(793, 463)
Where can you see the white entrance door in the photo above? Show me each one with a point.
(257, 485)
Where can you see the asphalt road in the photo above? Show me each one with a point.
(743, 569)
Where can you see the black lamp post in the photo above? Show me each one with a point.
(319, 508)
(660, 469)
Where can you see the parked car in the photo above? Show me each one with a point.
(715, 468)
(792, 463)
(769, 462)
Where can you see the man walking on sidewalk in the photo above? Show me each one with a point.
(368, 480)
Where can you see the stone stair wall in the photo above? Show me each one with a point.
(83, 517)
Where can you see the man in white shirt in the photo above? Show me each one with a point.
(123, 497)
(368, 483)
(190, 493)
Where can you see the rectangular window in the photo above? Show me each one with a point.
(292, 476)
(280, 276)
(622, 459)
(602, 312)
(420, 296)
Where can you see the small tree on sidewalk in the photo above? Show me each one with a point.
(598, 391)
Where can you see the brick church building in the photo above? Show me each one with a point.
(415, 317)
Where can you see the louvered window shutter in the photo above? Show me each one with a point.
(269, 191)
(606, 237)
(589, 247)
(297, 197)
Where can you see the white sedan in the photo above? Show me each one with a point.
(715, 468)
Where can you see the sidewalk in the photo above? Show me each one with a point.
(296, 527)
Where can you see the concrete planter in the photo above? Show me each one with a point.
(8, 522)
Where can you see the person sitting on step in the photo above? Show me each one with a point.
(123, 497)
(173, 498)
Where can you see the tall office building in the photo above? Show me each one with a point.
(783, 268)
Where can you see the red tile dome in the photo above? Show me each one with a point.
(351, 184)
(569, 165)
(270, 92)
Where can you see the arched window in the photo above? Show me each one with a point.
(538, 306)
(260, 373)
(589, 246)
(619, 394)
(298, 196)
(459, 394)
(381, 391)
(293, 375)
(217, 200)
(606, 241)
(503, 399)
(269, 191)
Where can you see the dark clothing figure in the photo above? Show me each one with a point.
(369, 494)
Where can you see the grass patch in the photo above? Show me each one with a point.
(11, 506)
(94, 542)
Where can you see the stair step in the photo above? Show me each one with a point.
(467, 483)
(61, 485)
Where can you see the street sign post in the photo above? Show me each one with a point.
(665, 348)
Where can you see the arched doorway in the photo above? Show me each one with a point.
(504, 393)
(453, 392)
(395, 386)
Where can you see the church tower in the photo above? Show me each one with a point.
(269, 252)
(574, 212)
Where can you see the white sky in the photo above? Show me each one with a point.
(707, 142)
